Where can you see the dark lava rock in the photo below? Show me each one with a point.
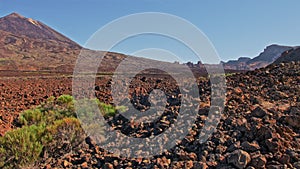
(254, 146)
(239, 159)
(258, 112)
(258, 161)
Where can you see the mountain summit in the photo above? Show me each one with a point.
(30, 45)
(19, 25)
(14, 15)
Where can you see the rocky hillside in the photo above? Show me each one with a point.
(268, 56)
(259, 128)
(18, 25)
(29, 45)
(240, 64)
(289, 56)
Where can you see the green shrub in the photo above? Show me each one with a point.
(64, 135)
(65, 99)
(22, 146)
(53, 109)
(108, 110)
(29, 117)
(50, 128)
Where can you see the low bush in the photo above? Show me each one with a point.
(49, 130)
(21, 147)
(63, 136)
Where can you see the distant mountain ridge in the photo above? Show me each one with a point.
(30, 45)
(289, 56)
(268, 56)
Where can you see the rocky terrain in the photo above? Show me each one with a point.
(259, 127)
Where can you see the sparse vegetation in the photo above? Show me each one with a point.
(50, 129)
(229, 74)
(22, 146)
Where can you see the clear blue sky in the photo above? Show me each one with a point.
(235, 27)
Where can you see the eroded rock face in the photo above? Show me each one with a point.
(269, 55)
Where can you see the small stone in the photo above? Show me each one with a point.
(238, 90)
(221, 149)
(250, 146)
(273, 166)
(272, 145)
(108, 166)
(293, 121)
(258, 112)
(193, 156)
(200, 165)
(264, 133)
(284, 159)
(258, 161)
(66, 163)
(116, 163)
(84, 165)
(48, 166)
(250, 167)
(294, 111)
(234, 146)
(239, 158)
(296, 165)
(189, 164)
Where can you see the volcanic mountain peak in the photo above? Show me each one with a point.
(19, 25)
(27, 44)
(14, 15)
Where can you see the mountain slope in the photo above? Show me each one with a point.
(268, 56)
(271, 53)
(29, 45)
(239, 64)
(21, 26)
(290, 55)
